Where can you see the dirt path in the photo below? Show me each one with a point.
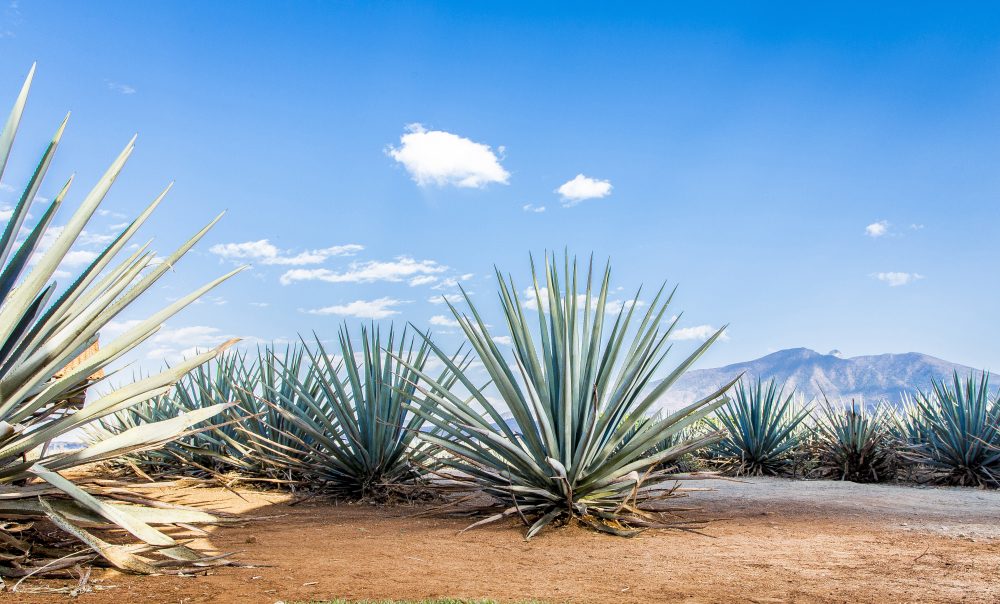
(774, 541)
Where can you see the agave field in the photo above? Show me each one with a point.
(565, 427)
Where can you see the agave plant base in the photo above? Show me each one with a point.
(645, 507)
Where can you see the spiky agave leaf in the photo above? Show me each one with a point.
(43, 329)
(855, 442)
(575, 392)
(960, 427)
(762, 429)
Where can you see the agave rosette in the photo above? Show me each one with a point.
(763, 429)
(959, 430)
(574, 445)
(856, 442)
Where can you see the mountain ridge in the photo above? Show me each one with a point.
(862, 378)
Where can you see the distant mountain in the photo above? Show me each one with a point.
(868, 378)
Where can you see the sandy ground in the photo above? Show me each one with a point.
(771, 540)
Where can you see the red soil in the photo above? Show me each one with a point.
(771, 541)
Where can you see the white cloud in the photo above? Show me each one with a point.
(435, 157)
(441, 299)
(78, 258)
(260, 304)
(118, 215)
(450, 282)
(193, 335)
(172, 345)
(114, 329)
(696, 332)
(877, 229)
(582, 188)
(265, 252)
(916, 227)
(6, 213)
(503, 340)
(895, 279)
(443, 321)
(6, 187)
(362, 309)
(403, 267)
(423, 280)
(88, 238)
(533, 208)
(121, 88)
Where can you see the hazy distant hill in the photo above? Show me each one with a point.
(865, 377)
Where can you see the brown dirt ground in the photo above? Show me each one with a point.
(771, 540)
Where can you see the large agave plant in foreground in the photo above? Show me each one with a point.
(43, 329)
(959, 431)
(763, 430)
(576, 389)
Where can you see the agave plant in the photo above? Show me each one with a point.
(42, 330)
(346, 426)
(856, 443)
(576, 392)
(762, 426)
(304, 417)
(960, 430)
(214, 449)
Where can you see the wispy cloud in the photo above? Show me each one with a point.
(443, 321)
(264, 252)
(452, 282)
(172, 344)
(423, 280)
(403, 267)
(362, 309)
(895, 279)
(74, 258)
(442, 298)
(699, 333)
(582, 188)
(533, 208)
(110, 213)
(435, 157)
(121, 88)
(877, 229)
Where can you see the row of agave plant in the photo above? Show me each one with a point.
(948, 434)
(558, 430)
(353, 422)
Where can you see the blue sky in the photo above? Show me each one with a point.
(821, 177)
